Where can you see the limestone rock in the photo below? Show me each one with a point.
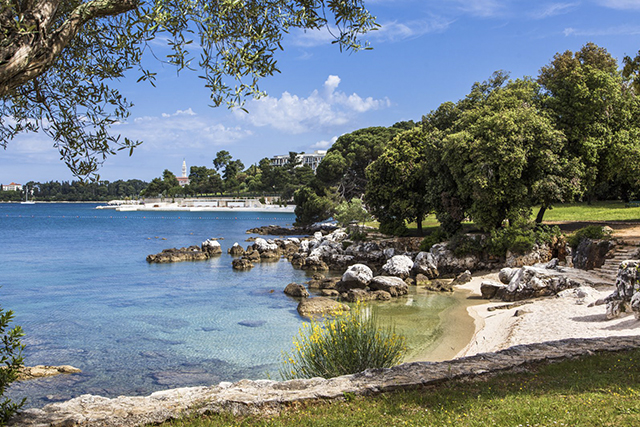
(490, 289)
(211, 247)
(357, 276)
(391, 284)
(399, 266)
(40, 371)
(425, 264)
(439, 285)
(506, 274)
(462, 278)
(319, 306)
(262, 245)
(296, 290)
(241, 264)
(591, 254)
(626, 296)
(192, 253)
(236, 250)
(357, 295)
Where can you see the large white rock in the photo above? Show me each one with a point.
(263, 246)
(394, 285)
(426, 264)
(358, 273)
(398, 265)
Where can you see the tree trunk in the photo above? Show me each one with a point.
(540, 215)
(419, 221)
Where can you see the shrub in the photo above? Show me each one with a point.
(437, 236)
(464, 244)
(595, 232)
(346, 343)
(10, 361)
(394, 228)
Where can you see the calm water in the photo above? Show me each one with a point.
(80, 287)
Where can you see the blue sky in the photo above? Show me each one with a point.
(426, 52)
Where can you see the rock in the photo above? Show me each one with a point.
(357, 295)
(422, 280)
(314, 264)
(270, 255)
(357, 276)
(532, 282)
(252, 323)
(236, 250)
(211, 247)
(252, 255)
(242, 264)
(296, 290)
(539, 253)
(319, 306)
(425, 264)
(553, 264)
(262, 245)
(394, 285)
(506, 274)
(462, 278)
(192, 253)
(40, 371)
(381, 295)
(626, 296)
(274, 230)
(490, 289)
(399, 266)
(591, 254)
(439, 285)
(329, 293)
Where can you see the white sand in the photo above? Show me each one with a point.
(544, 319)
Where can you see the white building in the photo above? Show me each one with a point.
(184, 179)
(312, 159)
(12, 187)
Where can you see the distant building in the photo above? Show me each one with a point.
(312, 159)
(12, 187)
(184, 179)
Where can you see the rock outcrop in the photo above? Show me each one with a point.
(320, 306)
(296, 290)
(208, 249)
(41, 371)
(626, 296)
(266, 397)
(591, 254)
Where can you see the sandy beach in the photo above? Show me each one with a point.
(566, 315)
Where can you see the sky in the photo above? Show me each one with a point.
(426, 52)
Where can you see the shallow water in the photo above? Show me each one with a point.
(80, 287)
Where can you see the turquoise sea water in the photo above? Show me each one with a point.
(80, 287)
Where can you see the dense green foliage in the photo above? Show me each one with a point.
(78, 191)
(594, 232)
(346, 343)
(10, 363)
(351, 211)
(592, 391)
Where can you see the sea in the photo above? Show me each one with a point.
(80, 287)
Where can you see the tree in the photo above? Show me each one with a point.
(351, 211)
(586, 102)
(11, 361)
(631, 71)
(60, 57)
(396, 184)
(345, 163)
(507, 156)
(310, 207)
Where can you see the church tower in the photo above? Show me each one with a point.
(184, 168)
(184, 179)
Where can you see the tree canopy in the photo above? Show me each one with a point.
(59, 59)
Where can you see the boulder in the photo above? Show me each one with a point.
(262, 245)
(40, 371)
(319, 306)
(591, 254)
(236, 250)
(357, 295)
(490, 289)
(241, 264)
(296, 290)
(425, 264)
(192, 253)
(357, 276)
(329, 293)
(439, 285)
(211, 247)
(532, 282)
(381, 295)
(314, 264)
(399, 266)
(394, 285)
(626, 296)
(462, 278)
(506, 274)
(252, 255)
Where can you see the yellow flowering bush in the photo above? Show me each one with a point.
(346, 342)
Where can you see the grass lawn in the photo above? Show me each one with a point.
(598, 390)
(574, 212)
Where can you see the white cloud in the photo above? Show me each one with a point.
(620, 4)
(623, 30)
(483, 8)
(322, 145)
(183, 128)
(554, 9)
(320, 110)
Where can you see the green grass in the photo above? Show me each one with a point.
(598, 390)
(597, 211)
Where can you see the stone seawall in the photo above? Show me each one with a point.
(265, 396)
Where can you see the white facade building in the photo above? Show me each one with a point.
(12, 187)
(312, 159)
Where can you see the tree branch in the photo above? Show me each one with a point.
(32, 50)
